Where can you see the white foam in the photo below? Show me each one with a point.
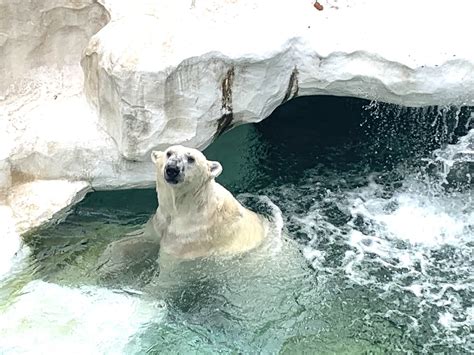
(51, 319)
(413, 247)
(445, 319)
(420, 223)
(420, 217)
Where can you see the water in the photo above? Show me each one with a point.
(386, 246)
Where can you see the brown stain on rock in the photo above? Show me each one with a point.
(292, 89)
(225, 121)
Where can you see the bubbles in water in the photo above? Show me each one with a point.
(415, 246)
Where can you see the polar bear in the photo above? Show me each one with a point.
(196, 216)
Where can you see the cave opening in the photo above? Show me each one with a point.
(387, 133)
(335, 135)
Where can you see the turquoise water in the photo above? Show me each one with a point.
(379, 258)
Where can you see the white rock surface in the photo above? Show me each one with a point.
(39, 201)
(5, 177)
(30, 205)
(35, 35)
(10, 242)
(60, 139)
(167, 72)
(181, 72)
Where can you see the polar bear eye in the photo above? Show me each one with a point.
(191, 159)
(168, 154)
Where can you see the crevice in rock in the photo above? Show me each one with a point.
(225, 121)
(293, 86)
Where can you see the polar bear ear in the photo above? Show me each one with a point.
(215, 168)
(155, 155)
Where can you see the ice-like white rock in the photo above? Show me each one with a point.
(60, 139)
(40, 45)
(43, 34)
(10, 242)
(183, 72)
(29, 205)
(5, 177)
(50, 319)
(6, 147)
(36, 202)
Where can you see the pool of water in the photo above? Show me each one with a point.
(379, 257)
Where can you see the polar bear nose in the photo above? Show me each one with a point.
(172, 171)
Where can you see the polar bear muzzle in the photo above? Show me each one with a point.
(173, 172)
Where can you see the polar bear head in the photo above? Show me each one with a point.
(180, 166)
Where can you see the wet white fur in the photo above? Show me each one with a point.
(198, 217)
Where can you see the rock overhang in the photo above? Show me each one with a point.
(156, 82)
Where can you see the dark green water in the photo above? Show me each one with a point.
(385, 262)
